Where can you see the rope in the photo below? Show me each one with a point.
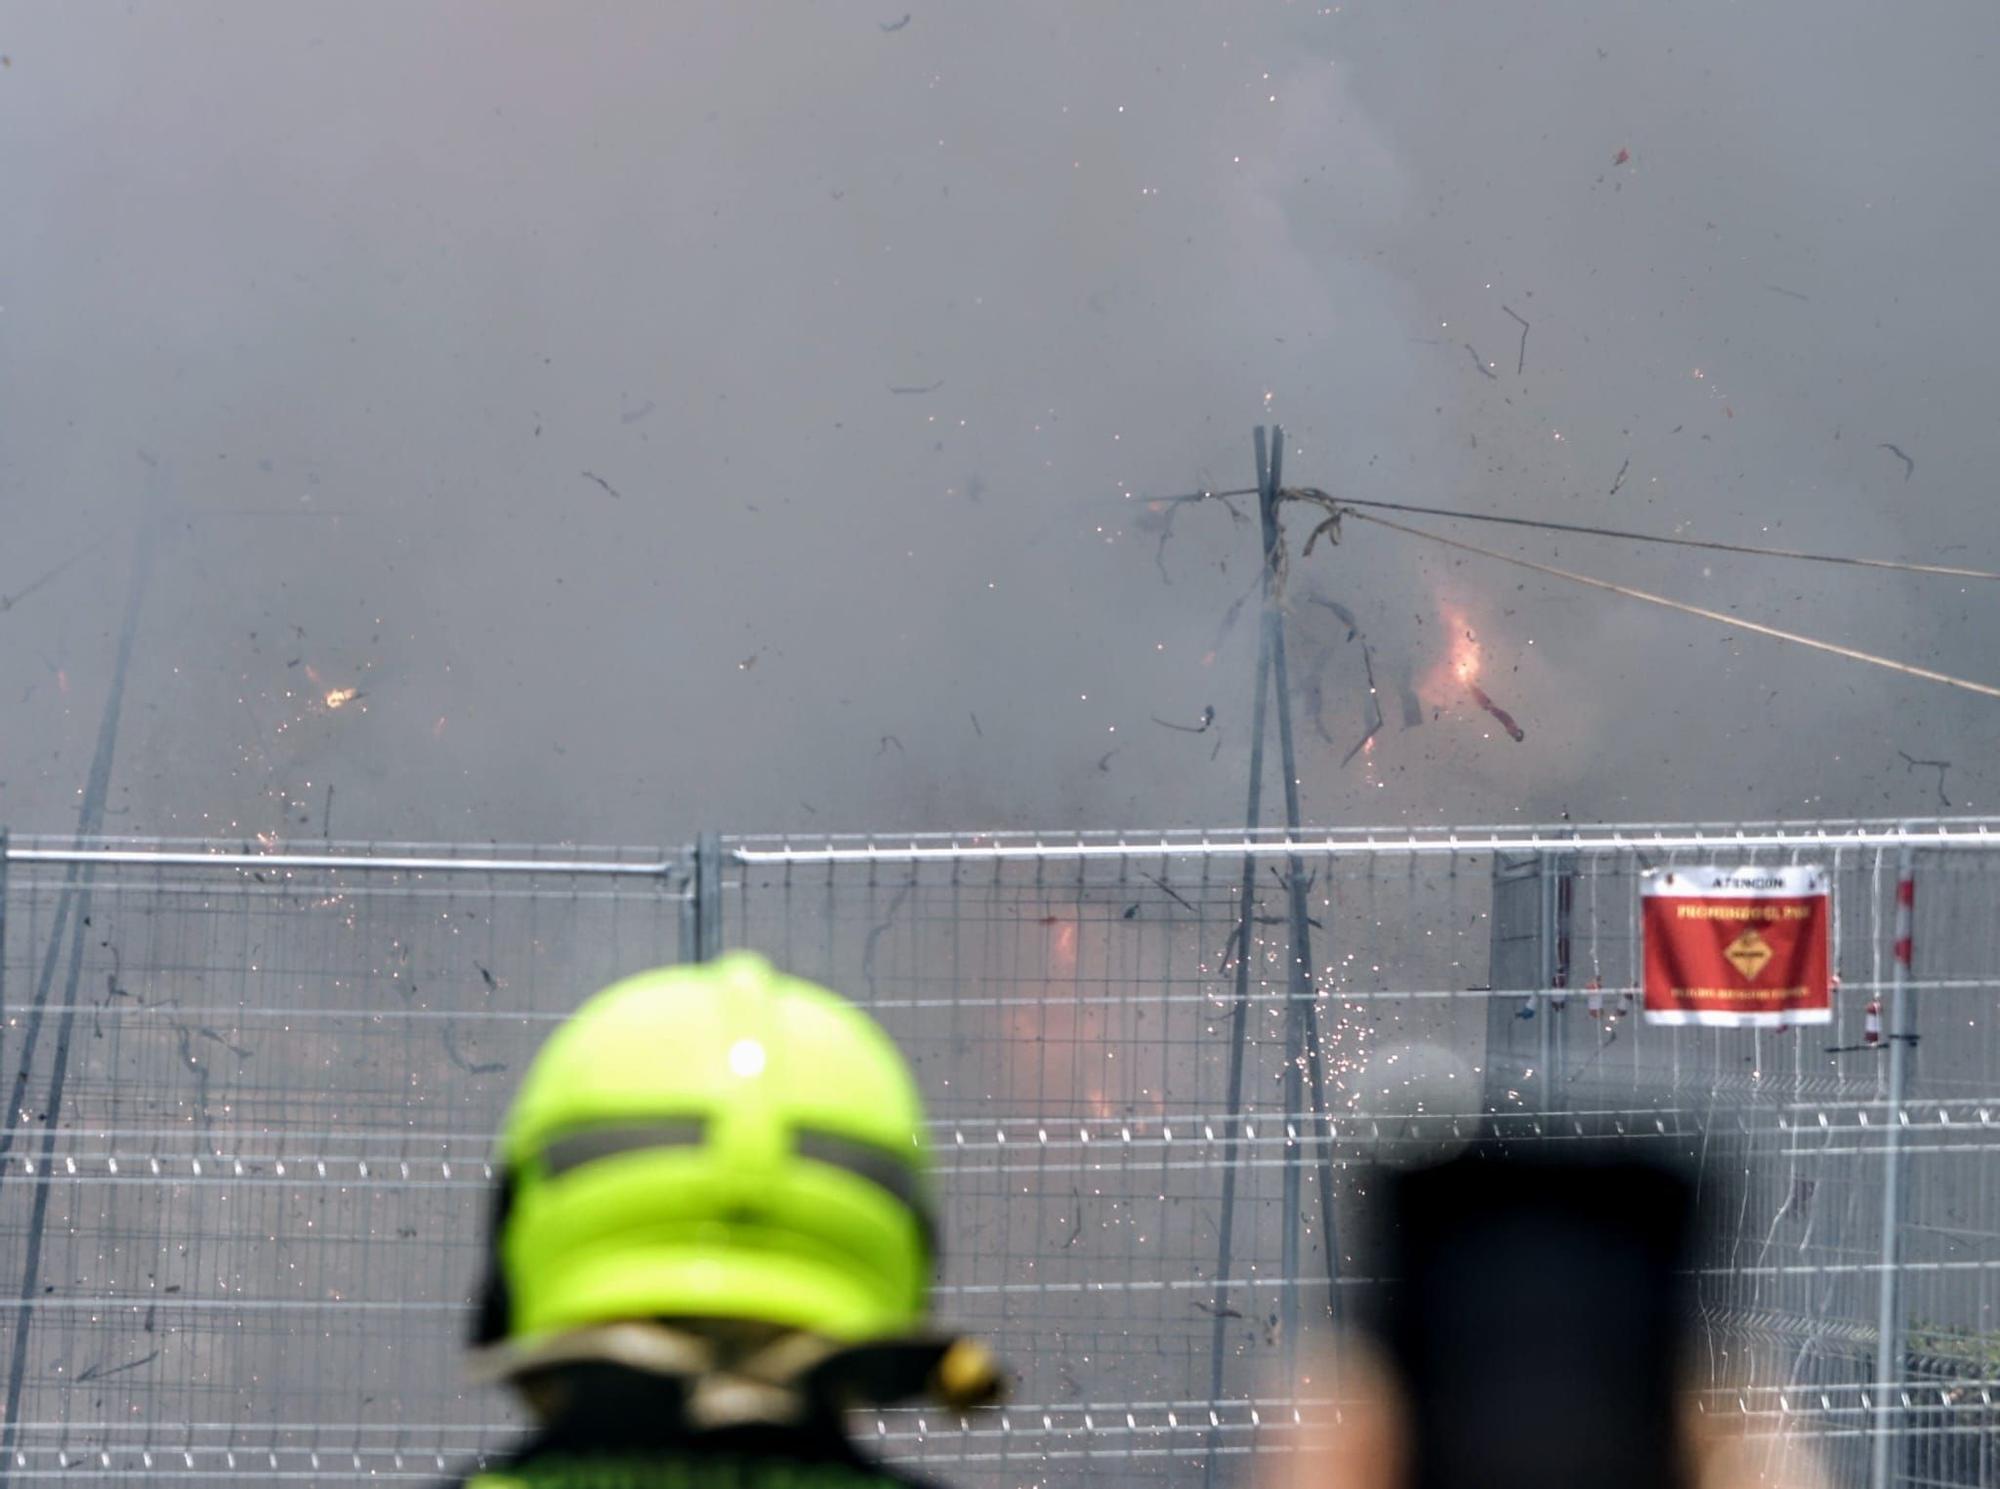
(1965, 684)
(1611, 532)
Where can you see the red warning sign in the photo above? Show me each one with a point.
(1736, 946)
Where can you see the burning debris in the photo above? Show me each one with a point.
(1463, 666)
(1505, 719)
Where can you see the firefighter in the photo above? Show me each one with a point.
(712, 1237)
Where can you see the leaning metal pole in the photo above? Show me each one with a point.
(1240, 1019)
(1889, 1315)
(1302, 1052)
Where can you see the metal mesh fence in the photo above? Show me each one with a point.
(241, 1175)
(243, 1167)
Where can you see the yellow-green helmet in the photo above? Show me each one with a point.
(713, 1141)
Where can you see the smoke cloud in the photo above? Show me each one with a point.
(667, 420)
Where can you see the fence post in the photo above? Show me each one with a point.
(1545, 918)
(690, 929)
(707, 896)
(1888, 1317)
(3, 943)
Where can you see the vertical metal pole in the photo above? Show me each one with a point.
(1889, 1315)
(1240, 1020)
(73, 914)
(690, 935)
(1544, 972)
(1299, 1010)
(708, 896)
(9, 1119)
(3, 953)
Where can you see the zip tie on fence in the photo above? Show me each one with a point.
(1834, 648)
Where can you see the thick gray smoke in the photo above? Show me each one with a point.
(669, 418)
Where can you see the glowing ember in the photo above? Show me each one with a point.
(338, 697)
(1465, 658)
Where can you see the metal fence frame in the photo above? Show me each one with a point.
(710, 880)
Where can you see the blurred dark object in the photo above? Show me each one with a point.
(1535, 1314)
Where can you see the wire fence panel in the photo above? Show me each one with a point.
(1145, 1232)
(243, 1174)
(244, 1169)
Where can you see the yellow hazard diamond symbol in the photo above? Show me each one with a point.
(1748, 953)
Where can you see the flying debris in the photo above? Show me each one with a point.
(1371, 699)
(882, 748)
(8, 602)
(1480, 362)
(912, 392)
(593, 476)
(1341, 613)
(887, 26)
(1520, 360)
(1909, 465)
(1207, 718)
(1910, 763)
(1622, 156)
(97, 1372)
(457, 1056)
(1505, 719)
(1104, 760)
